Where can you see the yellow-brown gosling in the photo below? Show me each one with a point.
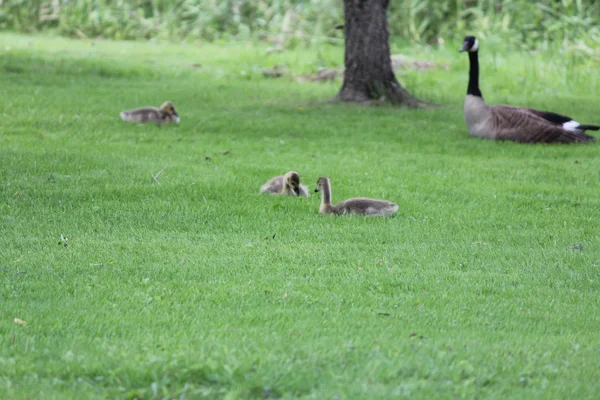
(288, 184)
(166, 114)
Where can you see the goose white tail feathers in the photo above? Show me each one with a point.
(571, 125)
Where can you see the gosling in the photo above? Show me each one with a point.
(166, 114)
(357, 205)
(288, 184)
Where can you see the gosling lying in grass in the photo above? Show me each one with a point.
(288, 184)
(357, 205)
(166, 114)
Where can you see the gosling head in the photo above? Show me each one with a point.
(470, 44)
(169, 109)
(321, 184)
(292, 181)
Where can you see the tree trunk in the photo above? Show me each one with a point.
(369, 75)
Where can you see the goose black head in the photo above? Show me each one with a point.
(470, 44)
(321, 184)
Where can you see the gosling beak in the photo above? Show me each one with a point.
(175, 114)
(297, 190)
(464, 47)
(316, 190)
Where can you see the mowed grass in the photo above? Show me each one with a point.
(485, 284)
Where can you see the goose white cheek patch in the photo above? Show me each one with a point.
(475, 46)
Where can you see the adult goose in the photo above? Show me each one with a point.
(357, 205)
(525, 125)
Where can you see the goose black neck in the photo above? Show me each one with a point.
(473, 88)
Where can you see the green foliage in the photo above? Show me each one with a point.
(484, 285)
(529, 24)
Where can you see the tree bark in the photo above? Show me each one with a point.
(368, 72)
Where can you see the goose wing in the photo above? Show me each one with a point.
(142, 115)
(521, 125)
(554, 118)
(365, 206)
(563, 121)
(273, 186)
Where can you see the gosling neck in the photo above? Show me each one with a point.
(326, 197)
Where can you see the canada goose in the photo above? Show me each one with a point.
(525, 125)
(164, 115)
(288, 184)
(357, 205)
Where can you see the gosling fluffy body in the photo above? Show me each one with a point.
(166, 114)
(524, 125)
(288, 184)
(357, 205)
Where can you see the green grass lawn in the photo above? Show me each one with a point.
(485, 284)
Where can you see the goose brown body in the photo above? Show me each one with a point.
(515, 124)
(288, 184)
(357, 205)
(525, 125)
